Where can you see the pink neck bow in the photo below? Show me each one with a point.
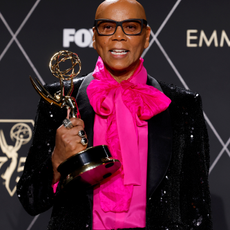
(120, 108)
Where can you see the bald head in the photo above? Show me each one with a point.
(120, 51)
(132, 6)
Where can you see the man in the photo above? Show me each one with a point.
(169, 157)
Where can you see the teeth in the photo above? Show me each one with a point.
(119, 51)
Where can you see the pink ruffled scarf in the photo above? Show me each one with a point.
(119, 109)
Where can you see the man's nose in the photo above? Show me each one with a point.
(119, 34)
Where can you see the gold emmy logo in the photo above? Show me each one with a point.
(20, 134)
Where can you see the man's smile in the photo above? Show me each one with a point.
(118, 52)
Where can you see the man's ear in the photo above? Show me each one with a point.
(148, 31)
(93, 38)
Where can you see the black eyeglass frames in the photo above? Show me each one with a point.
(106, 27)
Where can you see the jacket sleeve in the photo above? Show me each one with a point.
(195, 199)
(182, 200)
(35, 186)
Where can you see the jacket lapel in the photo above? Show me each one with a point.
(159, 145)
(85, 109)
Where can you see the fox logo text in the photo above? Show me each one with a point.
(81, 37)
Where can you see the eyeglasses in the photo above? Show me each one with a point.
(106, 27)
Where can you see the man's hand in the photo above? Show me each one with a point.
(67, 143)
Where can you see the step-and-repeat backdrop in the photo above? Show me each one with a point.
(190, 43)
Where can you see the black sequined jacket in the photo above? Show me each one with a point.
(178, 194)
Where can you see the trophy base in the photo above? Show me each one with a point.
(88, 167)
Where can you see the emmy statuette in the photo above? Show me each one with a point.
(88, 167)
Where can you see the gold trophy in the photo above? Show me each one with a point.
(94, 164)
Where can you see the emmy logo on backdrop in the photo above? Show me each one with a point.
(20, 133)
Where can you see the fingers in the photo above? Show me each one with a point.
(70, 123)
(68, 142)
(72, 136)
(77, 122)
(74, 139)
(77, 128)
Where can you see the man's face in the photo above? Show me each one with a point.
(121, 52)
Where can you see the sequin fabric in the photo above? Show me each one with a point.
(180, 202)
